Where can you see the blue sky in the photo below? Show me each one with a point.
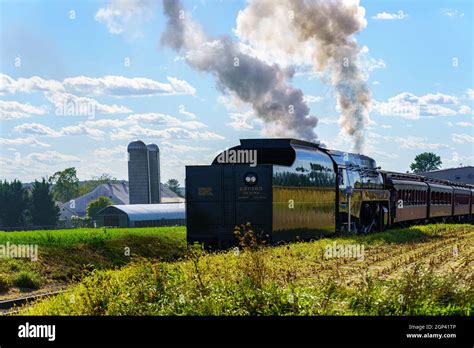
(417, 55)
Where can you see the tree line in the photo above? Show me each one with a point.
(37, 206)
(20, 207)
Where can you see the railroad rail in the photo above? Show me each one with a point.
(12, 306)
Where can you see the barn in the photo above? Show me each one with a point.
(142, 215)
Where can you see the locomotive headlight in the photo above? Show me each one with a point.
(250, 179)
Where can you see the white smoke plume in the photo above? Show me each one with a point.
(280, 106)
(322, 30)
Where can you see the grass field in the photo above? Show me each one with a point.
(65, 256)
(72, 237)
(425, 270)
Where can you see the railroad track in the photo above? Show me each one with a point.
(12, 306)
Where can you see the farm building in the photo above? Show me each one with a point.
(463, 175)
(118, 194)
(142, 215)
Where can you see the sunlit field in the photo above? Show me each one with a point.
(421, 270)
(66, 256)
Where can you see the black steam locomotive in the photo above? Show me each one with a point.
(288, 189)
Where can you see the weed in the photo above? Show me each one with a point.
(5, 283)
(28, 280)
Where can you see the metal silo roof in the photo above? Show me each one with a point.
(136, 145)
(153, 147)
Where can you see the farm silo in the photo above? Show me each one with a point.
(154, 172)
(138, 173)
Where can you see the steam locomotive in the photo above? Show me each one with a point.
(288, 189)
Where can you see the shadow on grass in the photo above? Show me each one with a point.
(399, 235)
(402, 236)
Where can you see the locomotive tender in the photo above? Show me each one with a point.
(297, 189)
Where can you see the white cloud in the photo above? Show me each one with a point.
(23, 141)
(28, 85)
(244, 120)
(110, 154)
(122, 16)
(35, 165)
(457, 159)
(64, 102)
(411, 142)
(107, 123)
(383, 154)
(133, 124)
(452, 13)
(369, 63)
(51, 157)
(183, 111)
(465, 124)
(137, 131)
(14, 110)
(470, 93)
(436, 110)
(179, 148)
(312, 98)
(390, 16)
(42, 130)
(328, 121)
(121, 86)
(462, 138)
(410, 106)
(372, 64)
(81, 129)
(439, 98)
(164, 120)
(118, 86)
(37, 129)
(465, 110)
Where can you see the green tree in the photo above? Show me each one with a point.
(43, 209)
(173, 185)
(425, 162)
(97, 205)
(13, 203)
(65, 184)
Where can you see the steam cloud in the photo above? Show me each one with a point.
(322, 29)
(264, 86)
